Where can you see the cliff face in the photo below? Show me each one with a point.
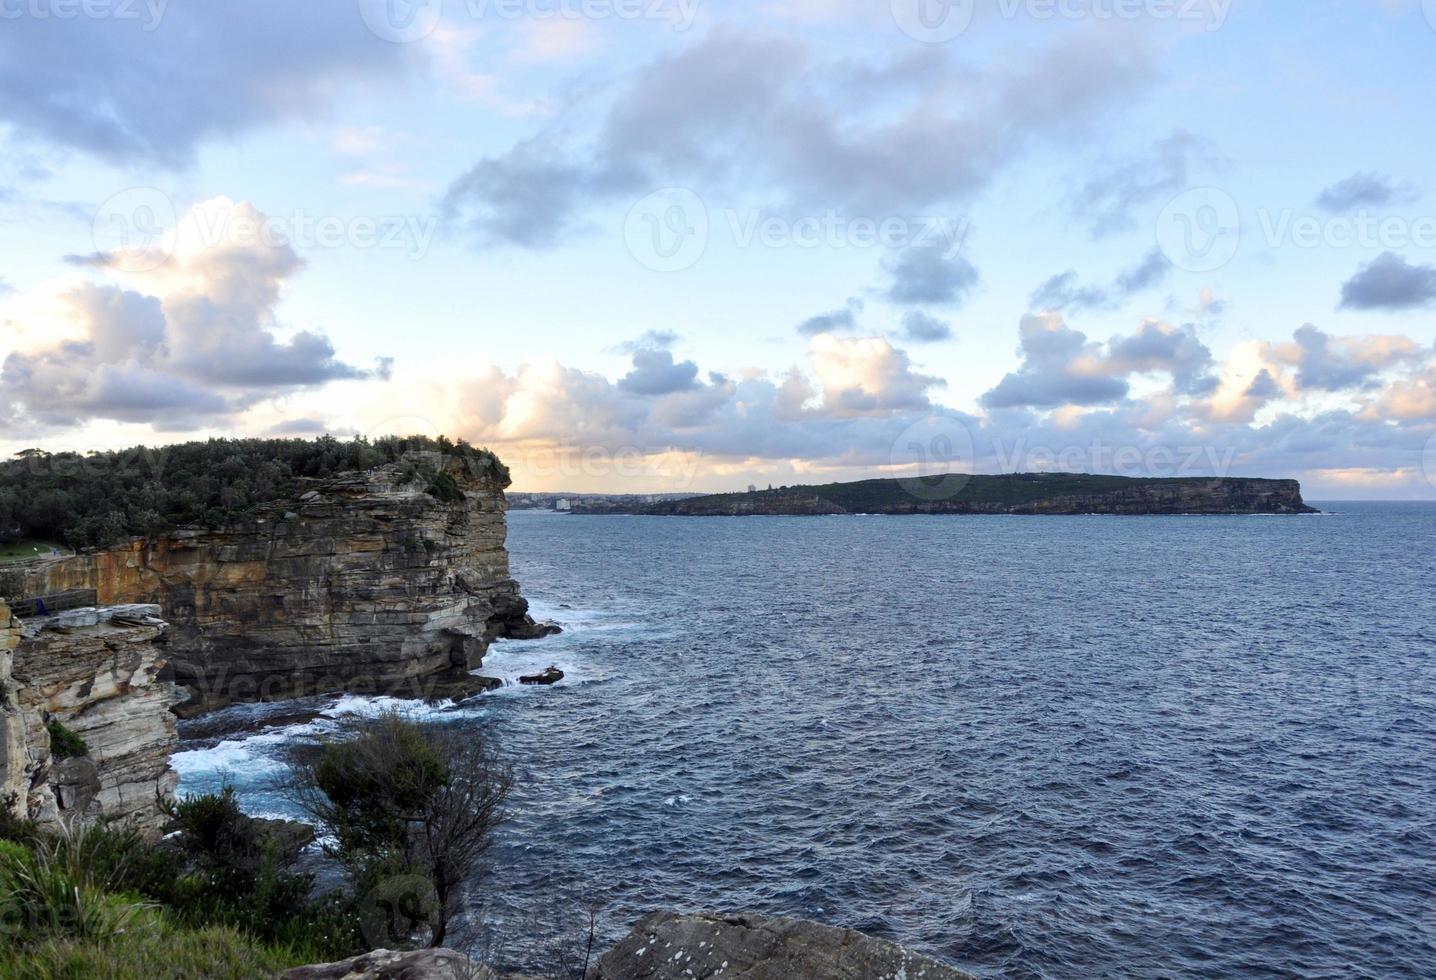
(364, 582)
(97, 674)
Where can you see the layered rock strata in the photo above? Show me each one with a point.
(91, 675)
(368, 582)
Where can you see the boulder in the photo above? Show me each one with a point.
(387, 964)
(527, 629)
(549, 675)
(669, 946)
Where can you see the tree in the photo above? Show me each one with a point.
(403, 799)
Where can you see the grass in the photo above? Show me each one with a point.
(149, 946)
(28, 548)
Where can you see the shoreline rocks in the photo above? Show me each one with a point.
(707, 946)
(549, 675)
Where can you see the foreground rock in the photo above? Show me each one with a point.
(549, 675)
(95, 673)
(363, 582)
(667, 946)
(384, 964)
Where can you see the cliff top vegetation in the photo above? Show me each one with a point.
(96, 499)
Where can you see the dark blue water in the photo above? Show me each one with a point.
(1033, 747)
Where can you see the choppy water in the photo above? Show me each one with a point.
(1055, 747)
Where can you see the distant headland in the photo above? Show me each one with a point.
(1017, 493)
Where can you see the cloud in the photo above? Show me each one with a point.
(1061, 367)
(743, 109)
(921, 328)
(1159, 347)
(926, 274)
(656, 373)
(1326, 363)
(1063, 292)
(1389, 282)
(843, 320)
(1363, 190)
(649, 340)
(151, 88)
(1107, 202)
(199, 350)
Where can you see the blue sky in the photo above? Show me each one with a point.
(678, 244)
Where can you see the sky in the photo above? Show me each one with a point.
(685, 245)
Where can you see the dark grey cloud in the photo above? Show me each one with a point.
(1389, 282)
(1107, 202)
(656, 373)
(649, 340)
(834, 321)
(136, 89)
(1157, 347)
(1326, 363)
(1064, 292)
(1153, 270)
(1060, 366)
(1053, 373)
(746, 110)
(923, 328)
(1368, 189)
(927, 274)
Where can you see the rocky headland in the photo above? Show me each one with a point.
(1020, 493)
(369, 582)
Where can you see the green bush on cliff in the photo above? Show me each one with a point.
(100, 498)
(65, 744)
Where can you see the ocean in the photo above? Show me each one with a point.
(1031, 747)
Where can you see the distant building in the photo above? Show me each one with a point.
(561, 504)
(752, 488)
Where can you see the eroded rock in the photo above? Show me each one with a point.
(549, 675)
(668, 946)
(385, 964)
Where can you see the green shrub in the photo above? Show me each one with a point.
(64, 744)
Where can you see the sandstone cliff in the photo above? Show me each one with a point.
(364, 582)
(96, 673)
